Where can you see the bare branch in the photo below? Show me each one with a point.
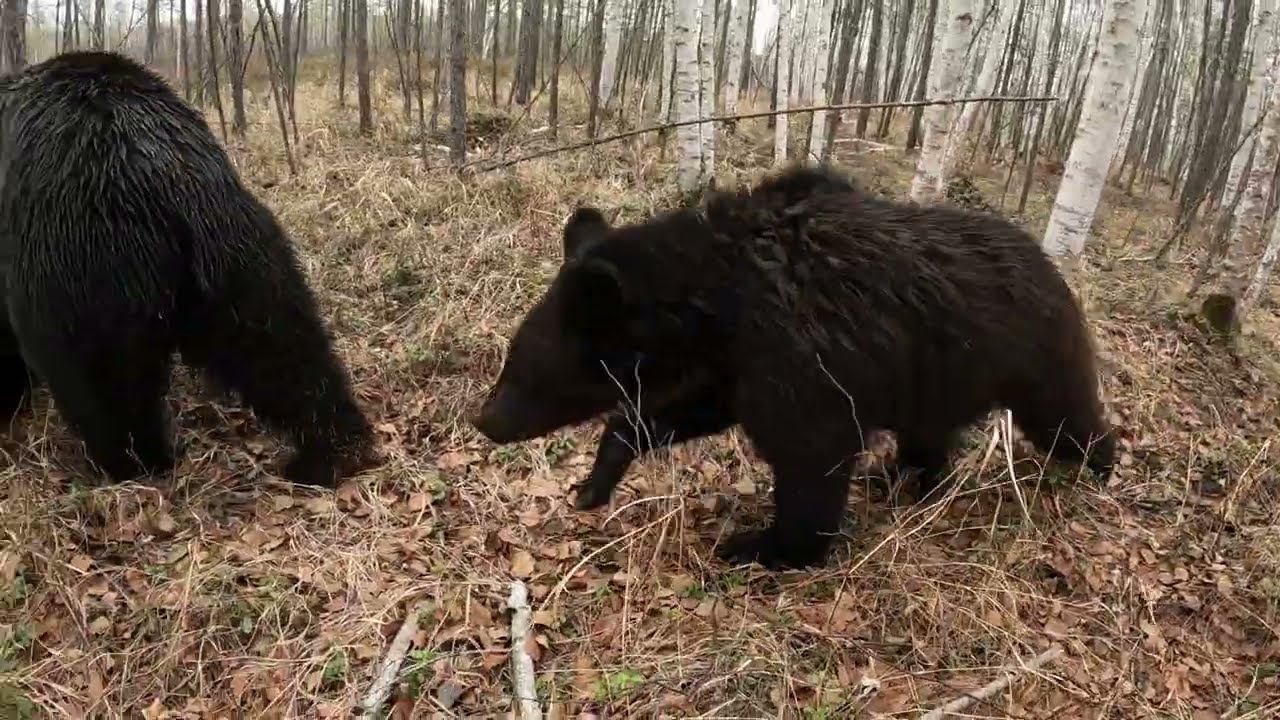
(747, 116)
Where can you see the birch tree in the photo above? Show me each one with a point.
(1263, 48)
(1251, 210)
(984, 84)
(1099, 131)
(1263, 274)
(821, 48)
(926, 186)
(685, 24)
(782, 79)
(737, 39)
(707, 88)
(457, 81)
(668, 60)
(614, 19)
(360, 8)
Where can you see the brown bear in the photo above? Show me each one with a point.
(810, 313)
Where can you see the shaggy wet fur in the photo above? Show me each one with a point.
(811, 314)
(125, 234)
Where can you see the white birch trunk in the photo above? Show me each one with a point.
(1099, 130)
(821, 48)
(688, 137)
(1262, 275)
(782, 81)
(668, 59)
(795, 36)
(614, 17)
(737, 41)
(707, 87)
(1145, 46)
(957, 27)
(997, 37)
(816, 31)
(1253, 203)
(1263, 47)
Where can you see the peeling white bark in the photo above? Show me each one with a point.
(926, 186)
(688, 137)
(1099, 129)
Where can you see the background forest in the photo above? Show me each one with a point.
(416, 153)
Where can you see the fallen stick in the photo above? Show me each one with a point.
(994, 686)
(521, 663)
(380, 690)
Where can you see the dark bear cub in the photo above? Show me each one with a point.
(126, 235)
(811, 314)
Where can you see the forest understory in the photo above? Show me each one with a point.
(224, 592)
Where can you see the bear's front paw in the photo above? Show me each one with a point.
(591, 495)
(748, 546)
(310, 468)
(764, 547)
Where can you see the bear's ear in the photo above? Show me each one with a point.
(585, 228)
(595, 296)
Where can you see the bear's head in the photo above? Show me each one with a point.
(599, 334)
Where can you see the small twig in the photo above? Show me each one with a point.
(380, 690)
(521, 663)
(994, 686)
(747, 116)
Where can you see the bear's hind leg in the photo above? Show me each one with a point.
(112, 393)
(704, 411)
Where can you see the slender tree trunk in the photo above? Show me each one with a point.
(927, 184)
(214, 91)
(184, 74)
(597, 65)
(1262, 275)
(1263, 49)
(821, 53)
(614, 19)
(153, 26)
(553, 115)
(873, 53)
(1033, 148)
(734, 42)
(15, 35)
(782, 80)
(344, 31)
(668, 61)
(1099, 130)
(707, 89)
(917, 114)
(200, 69)
(235, 65)
(458, 81)
(688, 137)
(361, 10)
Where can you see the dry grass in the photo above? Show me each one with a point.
(226, 593)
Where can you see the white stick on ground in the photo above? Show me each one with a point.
(521, 663)
(391, 662)
(996, 685)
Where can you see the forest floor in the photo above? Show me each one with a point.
(225, 592)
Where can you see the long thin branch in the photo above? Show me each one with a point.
(748, 116)
(994, 686)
